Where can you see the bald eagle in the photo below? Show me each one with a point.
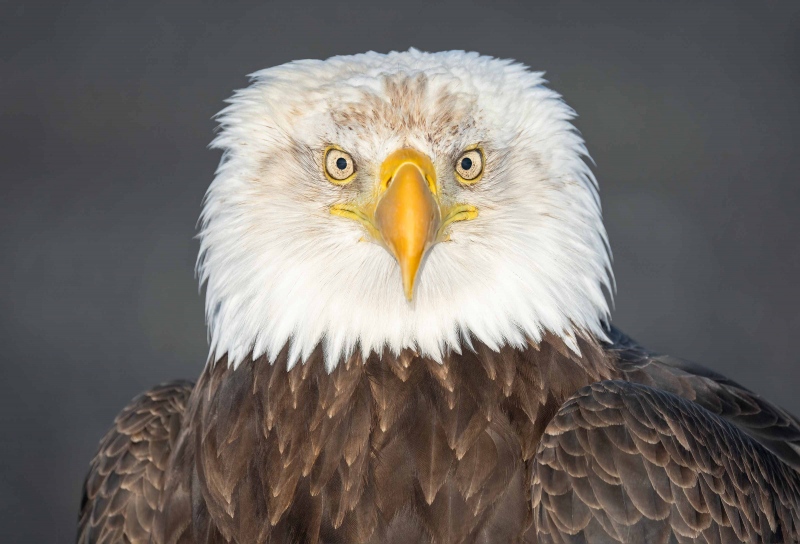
(407, 281)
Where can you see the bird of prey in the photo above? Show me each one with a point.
(407, 295)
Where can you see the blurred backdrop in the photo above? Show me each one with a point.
(690, 112)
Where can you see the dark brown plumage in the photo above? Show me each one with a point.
(124, 488)
(534, 445)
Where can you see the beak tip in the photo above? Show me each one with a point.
(408, 290)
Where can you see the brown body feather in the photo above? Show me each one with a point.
(533, 445)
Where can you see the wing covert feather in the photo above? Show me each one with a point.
(771, 426)
(680, 473)
(122, 491)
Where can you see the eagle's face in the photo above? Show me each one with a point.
(408, 200)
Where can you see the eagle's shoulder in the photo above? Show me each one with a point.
(771, 426)
(666, 451)
(124, 486)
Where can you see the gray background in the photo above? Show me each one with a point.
(690, 111)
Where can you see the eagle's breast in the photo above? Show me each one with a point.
(391, 448)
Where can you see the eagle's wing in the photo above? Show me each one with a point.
(123, 488)
(772, 427)
(682, 456)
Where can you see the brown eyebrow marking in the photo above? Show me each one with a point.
(408, 103)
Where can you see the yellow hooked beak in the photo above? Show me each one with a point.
(406, 215)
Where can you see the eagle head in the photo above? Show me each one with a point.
(401, 201)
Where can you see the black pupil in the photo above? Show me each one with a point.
(341, 163)
(466, 163)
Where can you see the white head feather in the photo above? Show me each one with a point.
(281, 270)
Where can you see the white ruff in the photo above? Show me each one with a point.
(279, 268)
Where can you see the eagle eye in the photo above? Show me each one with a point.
(339, 166)
(469, 166)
